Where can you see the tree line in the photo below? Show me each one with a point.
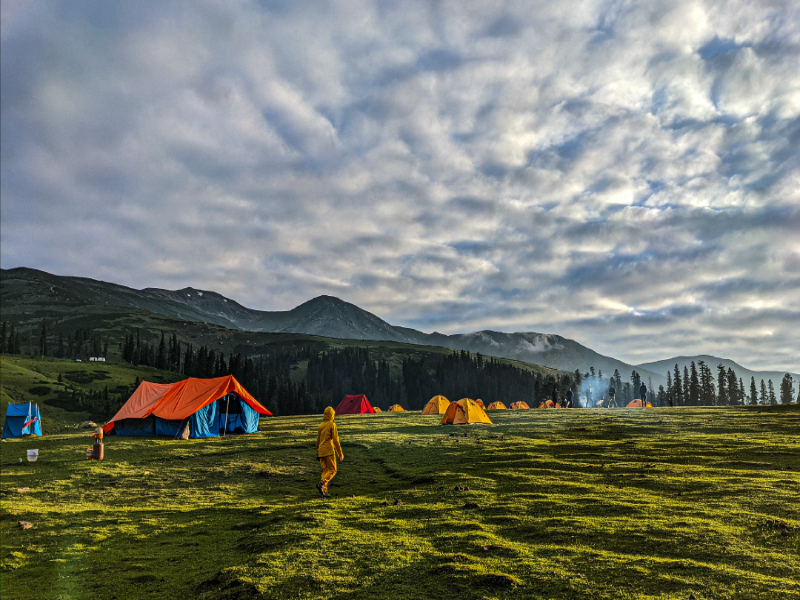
(697, 386)
(81, 344)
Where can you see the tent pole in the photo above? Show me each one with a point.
(227, 404)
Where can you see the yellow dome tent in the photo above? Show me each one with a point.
(436, 406)
(497, 406)
(376, 409)
(465, 412)
(480, 403)
(396, 408)
(520, 405)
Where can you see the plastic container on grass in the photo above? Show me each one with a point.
(33, 455)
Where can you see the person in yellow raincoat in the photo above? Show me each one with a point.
(328, 448)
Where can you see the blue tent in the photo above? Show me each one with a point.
(227, 415)
(22, 419)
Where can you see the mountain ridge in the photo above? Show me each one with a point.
(326, 316)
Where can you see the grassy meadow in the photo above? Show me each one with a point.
(660, 503)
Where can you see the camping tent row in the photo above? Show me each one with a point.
(192, 408)
(357, 404)
(520, 405)
(438, 405)
(22, 419)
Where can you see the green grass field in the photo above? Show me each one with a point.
(560, 504)
(570, 504)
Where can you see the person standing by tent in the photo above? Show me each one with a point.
(328, 447)
(569, 399)
(643, 394)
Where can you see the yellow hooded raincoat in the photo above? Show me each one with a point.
(328, 447)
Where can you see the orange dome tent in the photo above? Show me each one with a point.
(465, 412)
(497, 406)
(376, 409)
(547, 404)
(638, 404)
(436, 406)
(396, 408)
(480, 403)
(520, 405)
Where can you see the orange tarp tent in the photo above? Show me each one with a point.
(396, 408)
(436, 406)
(520, 405)
(638, 404)
(180, 400)
(497, 406)
(465, 412)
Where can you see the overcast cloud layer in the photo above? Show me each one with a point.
(625, 174)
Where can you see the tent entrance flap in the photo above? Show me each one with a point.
(205, 422)
(236, 416)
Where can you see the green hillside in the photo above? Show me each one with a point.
(579, 505)
(37, 380)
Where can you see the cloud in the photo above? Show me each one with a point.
(626, 175)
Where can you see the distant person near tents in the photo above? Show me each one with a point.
(555, 394)
(328, 447)
(643, 394)
(612, 396)
(569, 397)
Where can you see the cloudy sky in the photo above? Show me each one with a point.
(626, 174)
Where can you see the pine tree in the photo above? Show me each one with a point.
(686, 385)
(742, 394)
(787, 389)
(772, 399)
(678, 386)
(60, 351)
(722, 397)
(3, 337)
(43, 340)
(670, 393)
(161, 357)
(733, 387)
(694, 387)
(753, 391)
(763, 398)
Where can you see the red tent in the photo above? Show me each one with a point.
(354, 405)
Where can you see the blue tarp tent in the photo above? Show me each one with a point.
(22, 419)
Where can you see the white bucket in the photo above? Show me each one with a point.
(33, 455)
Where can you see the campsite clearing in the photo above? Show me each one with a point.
(581, 504)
